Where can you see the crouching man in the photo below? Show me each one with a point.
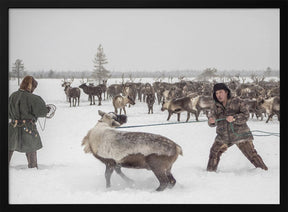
(229, 115)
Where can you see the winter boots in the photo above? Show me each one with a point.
(32, 159)
(247, 148)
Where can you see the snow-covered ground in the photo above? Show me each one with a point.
(67, 175)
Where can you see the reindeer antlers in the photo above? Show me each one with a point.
(67, 82)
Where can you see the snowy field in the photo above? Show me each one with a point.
(67, 175)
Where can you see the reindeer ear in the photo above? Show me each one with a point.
(101, 113)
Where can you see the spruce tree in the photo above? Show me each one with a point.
(100, 73)
(18, 69)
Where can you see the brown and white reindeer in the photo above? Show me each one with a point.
(71, 92)
(180, 105)
(139, 150)
(271, 105)
(129, 89)
(204, 103)
(120, 102)
(249, 91)
(66, 83)
(175, 92)
(253, 108)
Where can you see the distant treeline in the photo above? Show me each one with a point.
(146, 74)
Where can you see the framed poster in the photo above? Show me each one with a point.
(186, 48)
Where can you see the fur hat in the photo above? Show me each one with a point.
(220, 86)
(26, 82)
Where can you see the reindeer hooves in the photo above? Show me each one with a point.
(171, 183)
(162, 187)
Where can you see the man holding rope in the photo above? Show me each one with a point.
(24, 108)
(229, 115)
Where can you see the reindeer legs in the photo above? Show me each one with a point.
(108, 172)
(124, 110)
(169, 115)
(188, 116)
(171, 179)
(163, 179)
(124, 177)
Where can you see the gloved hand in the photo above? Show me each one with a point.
(48, 108)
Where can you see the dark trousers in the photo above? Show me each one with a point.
(246, 147)
(31, 158)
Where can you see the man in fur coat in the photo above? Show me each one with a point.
(229, 115)
(24, 108)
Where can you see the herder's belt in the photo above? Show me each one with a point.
(21, 122)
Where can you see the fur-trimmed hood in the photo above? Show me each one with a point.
(28, 84)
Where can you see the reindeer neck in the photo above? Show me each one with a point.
(101, 124)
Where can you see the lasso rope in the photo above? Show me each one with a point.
(52, 111)
(152, 125)
(49, 115)
(231, 125)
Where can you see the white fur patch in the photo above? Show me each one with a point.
(194, 102)
(109, 143)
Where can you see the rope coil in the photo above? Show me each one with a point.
(52, 111)
(49, 115)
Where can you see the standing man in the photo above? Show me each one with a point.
(24, 108)
(229, 115)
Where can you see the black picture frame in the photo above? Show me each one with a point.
(281, 4)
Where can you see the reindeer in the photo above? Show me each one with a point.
(150, 100)
(92, 91)
(275, 91)
(271, 106)
(252, 106)
(121, 101)
(89, 82)
(204, 103)
(114, 89)
(180, 105)
(129, 89)
(139, 87)
(104, 88)
(138, 150)
(71, 92)
(248, 90)
(64, 84)
(175, 92)
(159, 88)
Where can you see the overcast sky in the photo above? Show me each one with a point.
(145, 39)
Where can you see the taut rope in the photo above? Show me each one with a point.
(231, 125)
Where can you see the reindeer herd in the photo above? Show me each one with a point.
(139, 150)
(193, 97)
